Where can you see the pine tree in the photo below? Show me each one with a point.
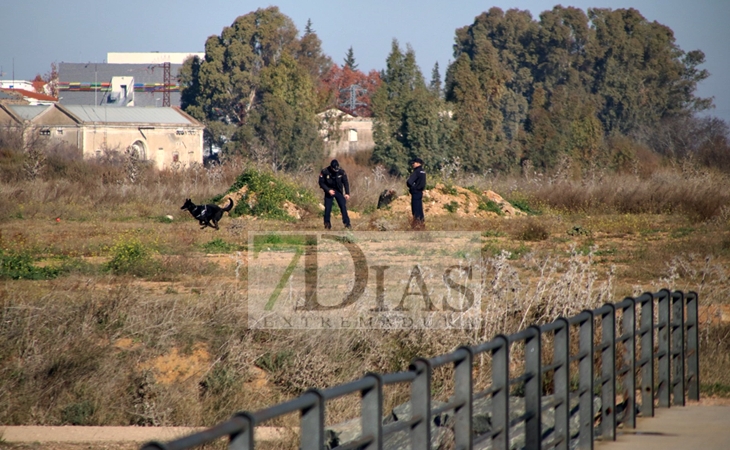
(350, 59)
(435, 84)
(410, 120)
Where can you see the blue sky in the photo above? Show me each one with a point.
(35, 33)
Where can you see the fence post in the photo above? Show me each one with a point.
(312, 423)
(500, 394)
(561, 361)
(585, 382)
(664, 390)
(628, 329)
(608, 372)
(372, 412)
(463, 391)
(244, 439)
(647, 354)
(533, 389)
(677, 348)
(421, 404)
(693, 348)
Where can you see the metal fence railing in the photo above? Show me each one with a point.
(648, 347)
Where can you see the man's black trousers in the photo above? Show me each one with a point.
(340, 202)
(417, 205)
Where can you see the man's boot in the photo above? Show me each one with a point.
(327, 226)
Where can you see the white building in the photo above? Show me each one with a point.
(149, 57)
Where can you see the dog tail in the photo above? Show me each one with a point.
(230, 205)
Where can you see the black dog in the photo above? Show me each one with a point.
(386, 198)
(207, 215)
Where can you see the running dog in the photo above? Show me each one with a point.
(207, 215)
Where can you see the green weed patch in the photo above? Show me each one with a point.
(266, 194)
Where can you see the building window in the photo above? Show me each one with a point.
(175, 157)
(352, 135)
(59, 131)
(45, 132)
(180, 131)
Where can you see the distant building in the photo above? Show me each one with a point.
(344, 133)
(165, 136)
(25, 97)
(149, 57)
(127, 79)
(17, 84)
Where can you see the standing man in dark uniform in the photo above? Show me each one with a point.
(333, 181)
(416, 184)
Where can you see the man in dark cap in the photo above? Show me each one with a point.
(333, 181)
(416, 184)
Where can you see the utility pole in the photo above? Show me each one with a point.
(351, 103)
(167, 84)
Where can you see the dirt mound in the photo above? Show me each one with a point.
(457, 201)
(251, 198)
(269, 195)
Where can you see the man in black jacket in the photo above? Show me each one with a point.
(416, 184)
(333, 181)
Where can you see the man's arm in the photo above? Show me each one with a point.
(322, 184)
(411, 179)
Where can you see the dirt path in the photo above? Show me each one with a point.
(109, 438)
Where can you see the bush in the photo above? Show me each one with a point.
(452, 206)
(218, 245)
(266, 195)
(78, 413)
(491, 206)
(18, 265)
(131, 257)
(533, 231)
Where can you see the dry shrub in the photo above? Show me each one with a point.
(700, 195)
(532, 230)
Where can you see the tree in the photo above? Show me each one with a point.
(310, 54)
(435, 84)
(410, 121)
(339, 82)
(350, 60)
(285, 121)
(39, 84)
(255, 73)
(640, 73)
(475, 86)
(48, 83)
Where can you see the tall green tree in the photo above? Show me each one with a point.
(640, 73)
(476, 83)
(435, 85)
(410, 120)
(350, 59)
(311, 56)
(284, 123)
(254, 73)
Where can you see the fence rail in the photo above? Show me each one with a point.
(661, 373)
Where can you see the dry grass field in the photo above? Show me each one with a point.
(114, 314)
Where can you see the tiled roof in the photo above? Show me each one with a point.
(30, 94)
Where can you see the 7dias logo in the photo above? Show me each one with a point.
(389, 280)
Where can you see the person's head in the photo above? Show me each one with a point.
(334, 165)
(416, 162)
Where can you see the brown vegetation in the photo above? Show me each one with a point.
(138, 319)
